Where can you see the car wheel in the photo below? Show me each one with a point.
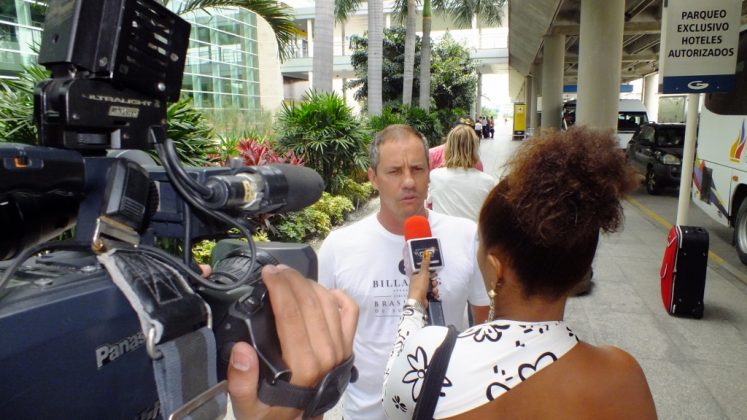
(740, 232)
(652, 184)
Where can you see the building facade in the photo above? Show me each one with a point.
(222, 67)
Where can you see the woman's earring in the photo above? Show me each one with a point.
(491, 313)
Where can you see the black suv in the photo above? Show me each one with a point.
(656, 151)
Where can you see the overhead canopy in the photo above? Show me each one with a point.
(529, 21)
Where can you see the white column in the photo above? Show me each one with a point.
(528, 94)
(532, 104)
(478, 100)
(552, 80)
(600, 58)
(310, 36)
(651, 95)
(388, 21)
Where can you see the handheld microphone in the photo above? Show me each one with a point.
(419, 239)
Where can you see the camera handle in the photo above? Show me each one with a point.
(177, 324)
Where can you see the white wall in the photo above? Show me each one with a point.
(270, 77)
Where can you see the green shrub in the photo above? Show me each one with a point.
(428, 123)
(314, 221)
(325, 132)
(17, 105)
(358, 193)
(191, 133)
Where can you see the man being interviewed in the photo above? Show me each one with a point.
(365, 259)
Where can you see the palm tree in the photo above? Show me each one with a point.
(424, 101)
(488, 12)
(278, 16)
(323, 42)
(463, 12)
(407, 10)
(375, 55)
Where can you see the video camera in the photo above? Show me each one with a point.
(71, 343)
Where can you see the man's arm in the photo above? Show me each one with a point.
(479, 313)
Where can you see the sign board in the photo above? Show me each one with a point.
(520, 120)
(624, 88)
(699, 42)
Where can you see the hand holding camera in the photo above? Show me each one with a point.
(315, 327)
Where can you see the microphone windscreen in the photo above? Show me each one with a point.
(417, 227)
(305, 186)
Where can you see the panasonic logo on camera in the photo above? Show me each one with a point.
(118, 100)
(109, 352)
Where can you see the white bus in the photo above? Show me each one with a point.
(720, 170)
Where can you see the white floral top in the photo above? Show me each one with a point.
(488, 360)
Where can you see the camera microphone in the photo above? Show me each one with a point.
(419, 239)
(265, 189)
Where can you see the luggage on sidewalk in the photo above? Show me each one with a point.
(683, 271)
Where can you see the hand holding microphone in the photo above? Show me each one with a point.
(423, 284)
(419, 243)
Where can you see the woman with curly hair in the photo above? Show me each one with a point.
(459, 189)
(539, 230)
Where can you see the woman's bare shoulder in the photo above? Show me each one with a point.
(616, 379)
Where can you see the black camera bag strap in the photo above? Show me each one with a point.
(176, 324)
(434, 377)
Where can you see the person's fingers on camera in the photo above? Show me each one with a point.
(291, 328)
(205, 269)
(243, 373)
(332, 317)
(314, 316)
(349, 312)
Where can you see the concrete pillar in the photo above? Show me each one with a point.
(651, 95)
(388, 21)
(478, 100)
(310, 36)
(600, 57)
(552, 80)
(528, 100)
(532, 104)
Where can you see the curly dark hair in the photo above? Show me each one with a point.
(560, 190)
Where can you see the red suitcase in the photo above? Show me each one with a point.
(683, 271)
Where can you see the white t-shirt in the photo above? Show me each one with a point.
(365, 260)
(459, 192)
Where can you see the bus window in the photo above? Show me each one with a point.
(630, 121)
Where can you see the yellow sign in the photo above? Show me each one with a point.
(520, 120)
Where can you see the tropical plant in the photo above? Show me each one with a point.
(487, 12)
(276, 14)
(191, 133)
(426, 122)
(314, 221)
(255, 153)
(17, 105)
(325, 132)
(454, 73)
(393, 66)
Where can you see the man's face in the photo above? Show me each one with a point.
(401, 178)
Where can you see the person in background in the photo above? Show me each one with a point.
(365, 260)
(491, 125)
(436, 153)
(458, 189)
(478, 127)
(539, 230)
